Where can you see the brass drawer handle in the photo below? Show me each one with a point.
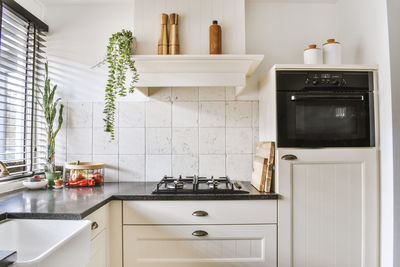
(199, 233)
(289, 157)
(95, 225)
(200, 213)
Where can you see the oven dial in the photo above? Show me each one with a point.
(335, 82)
(315, 81)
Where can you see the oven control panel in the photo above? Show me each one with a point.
(325, 79)
(299, 80)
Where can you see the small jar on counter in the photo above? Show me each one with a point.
(312, 55)
(332, 52)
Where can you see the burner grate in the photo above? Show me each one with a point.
(197, 185)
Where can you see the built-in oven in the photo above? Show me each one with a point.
(325, 109)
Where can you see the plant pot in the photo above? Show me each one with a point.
(51, 176)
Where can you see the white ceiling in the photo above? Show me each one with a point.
(78, 2)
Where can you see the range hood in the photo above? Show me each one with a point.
(195, 70)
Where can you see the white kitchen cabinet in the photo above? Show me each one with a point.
(328, 213)
(106, 236)
(224, 245)
(200, 233)
(98, 250)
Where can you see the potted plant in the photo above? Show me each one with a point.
(119, 61)
(48, 103)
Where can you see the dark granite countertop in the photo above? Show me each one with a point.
(77, 203)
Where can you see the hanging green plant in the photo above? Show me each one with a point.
(119, 62)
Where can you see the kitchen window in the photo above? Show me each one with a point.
(22, 58)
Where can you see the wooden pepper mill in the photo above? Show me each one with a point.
(163, 39)
(173, 35)
(215, 38)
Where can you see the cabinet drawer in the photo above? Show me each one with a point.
(200, 212)
(100, 219)
(98, 250)
(223, 246)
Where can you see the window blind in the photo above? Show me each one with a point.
(22, 127)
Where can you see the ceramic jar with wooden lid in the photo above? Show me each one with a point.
(312, 55)
(332, 52)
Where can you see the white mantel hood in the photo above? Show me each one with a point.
(195, 70)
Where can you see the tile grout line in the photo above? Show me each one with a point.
(172, 137)
(198, 131)
(226, 132)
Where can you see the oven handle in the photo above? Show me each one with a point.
(327, 97)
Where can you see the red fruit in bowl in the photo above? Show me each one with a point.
(98, 178)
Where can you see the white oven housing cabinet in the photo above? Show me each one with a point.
(328, 213)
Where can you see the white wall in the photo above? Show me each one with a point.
(77, 40)
(365, 33)
(34, 6)
(281, 30)
(195, 18)
(393, 7)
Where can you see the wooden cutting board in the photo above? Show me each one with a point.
(263, 166)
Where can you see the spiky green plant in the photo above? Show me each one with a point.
(119, 63)
(48, 104)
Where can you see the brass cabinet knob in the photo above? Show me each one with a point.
(289, 157)
(199, 233)
(95, 225)
(200, 213)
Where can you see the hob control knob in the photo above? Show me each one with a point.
(335, 82)
(315, 82)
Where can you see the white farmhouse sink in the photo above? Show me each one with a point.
(47, 243)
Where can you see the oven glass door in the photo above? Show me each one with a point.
(325, 119)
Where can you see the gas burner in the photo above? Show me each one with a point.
(198, 185)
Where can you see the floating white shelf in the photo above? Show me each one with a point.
(195, 70)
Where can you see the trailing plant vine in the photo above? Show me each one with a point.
(119, 62)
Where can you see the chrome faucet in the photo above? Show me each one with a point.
(4, 171)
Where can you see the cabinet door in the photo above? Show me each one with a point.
(223, 246)
(328, 214)
(98, 250)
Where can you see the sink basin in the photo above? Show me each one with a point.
(47, 243)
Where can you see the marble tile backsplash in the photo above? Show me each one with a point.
(186, 131)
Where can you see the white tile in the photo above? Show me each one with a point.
(212, 114)
(111, 170)
(185, 140)
(256, 138)
(98, 115)
(158, 114)
(80, 115)
(239, 140)
(238, 114)
(255, 114)
(158, 141)
(230, 93)
(79, 141)
(157, 166)
(61, 146)
(131, 141)
(131, 114)
(102, 143)
(212, 165)
(131, 168)
(185, 93)
(212, 141)
(212, 93)
(185, 114)
(160, 93)
(185, 165)
(239, 167)
(81, 158)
